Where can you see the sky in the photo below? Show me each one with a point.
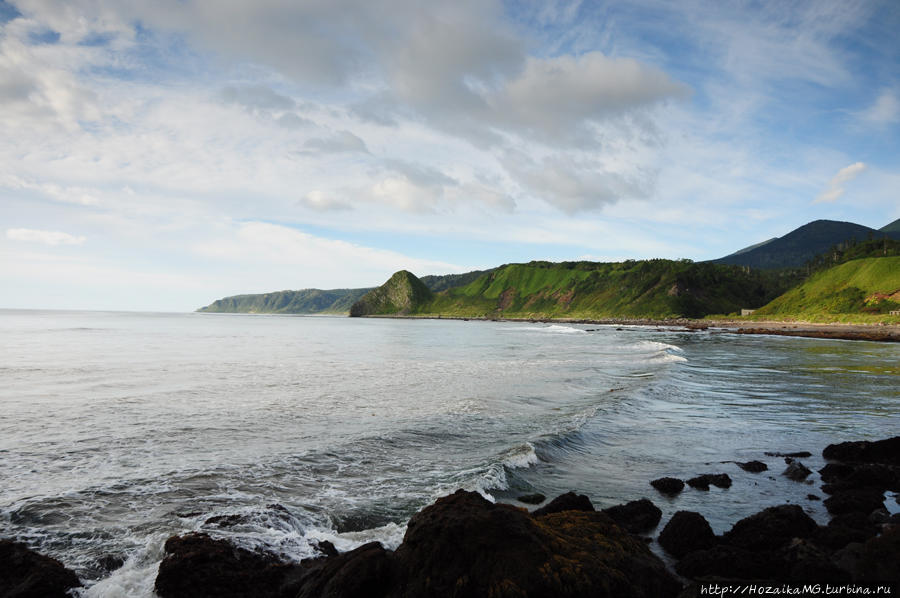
(160, 155)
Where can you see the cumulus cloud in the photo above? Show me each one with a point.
(836, 186)
(47, 237)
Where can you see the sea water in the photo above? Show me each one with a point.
(118, 430)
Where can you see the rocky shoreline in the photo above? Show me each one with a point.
(859, 332)
(464, 545)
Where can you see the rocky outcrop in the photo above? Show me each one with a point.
(402, 294)
(686, 532)
(27, 574)
(670, 486)
(462, 545)
(637, 516)
(702, 482)
(753, 466)
(565, 502)
(880, 451)
(771, 528)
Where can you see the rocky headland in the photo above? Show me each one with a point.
(465, 545)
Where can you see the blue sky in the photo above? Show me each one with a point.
(157, 156)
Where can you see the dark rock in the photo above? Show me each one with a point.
(637, 516)
(26, 574)
(326, 548)
(110, 563)
(881, 451)
(686, 532)
(879, 516)
(855, 520)
(702, 482)
(798, 454)
(197, 566)
(365, 572)
(863, 500)
(532, 499)
(874, 561)
(753, 466)
(812, 497)
(565, 502)
(841, 476)
(731, 562)
(464, 545)
(835, 536)
(668, 485)
(796, 471)
(804, 561)
(833, 472)
(226, 520)
(770, 528)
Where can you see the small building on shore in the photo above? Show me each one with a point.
(747, 312)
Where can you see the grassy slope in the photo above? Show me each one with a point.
(848, 289)
(650, 288)
(306, 301)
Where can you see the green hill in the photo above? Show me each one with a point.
(402, 294)
(639, 289)
(868, 285)
(317, 301)
(305, 301)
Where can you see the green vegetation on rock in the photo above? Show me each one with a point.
(306, 301)
(402, 294)
(636, 289)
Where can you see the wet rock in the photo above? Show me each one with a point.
(753, 466)
(874, 561)
(198, 566)
(813, 497)
(796, 471)
(862, 500)
(565, 502)
(702, 482)
(532, 499)
(770, 528)
(686, 532)
(365, 572)
(804, 561)
(835, 536)
(881, 451)
(796, 455)
(842, 476)
(226, 521)
(637, 516)
(668, 486)
(879, 516)
(26, 574)
(464, 545)
(325, 548)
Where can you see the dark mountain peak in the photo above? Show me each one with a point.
(802, 244)
(893, 227)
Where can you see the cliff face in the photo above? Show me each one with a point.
(402, 294)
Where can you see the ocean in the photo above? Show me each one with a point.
(118, 430)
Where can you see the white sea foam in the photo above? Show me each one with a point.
(135, 578)
(521, 457)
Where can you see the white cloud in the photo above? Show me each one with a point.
(48, 237)
(836, 186)
(340, 142)
(885, 110)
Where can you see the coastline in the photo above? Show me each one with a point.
(878, 332)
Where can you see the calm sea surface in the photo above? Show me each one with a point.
(118, 430)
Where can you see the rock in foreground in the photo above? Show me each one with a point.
(462, 545)
(27, 574)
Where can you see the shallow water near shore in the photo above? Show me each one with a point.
(118, 430)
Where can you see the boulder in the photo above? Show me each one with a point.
(702, 482)
(794, 455)
(668, 486)
(862, 500)
(843, 476)
(880, 451)
(197, 566)
(753, 466)
(463, 545)
(686, 532)
(731, 562)
(565, 502)
(796, 471)
(365, 572)
(26, 574)
(770, 528)
(874, 561)
(637, 516)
